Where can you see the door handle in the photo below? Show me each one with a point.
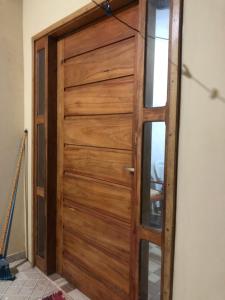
(131, 170)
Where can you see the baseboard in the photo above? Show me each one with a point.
(16, 256)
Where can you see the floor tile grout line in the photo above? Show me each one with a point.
(58, 287)
(23, 282)
(33, 290)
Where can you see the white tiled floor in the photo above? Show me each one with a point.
(77, 295)
(32, 284)
(154, 272)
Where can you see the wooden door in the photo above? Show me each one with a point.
(96, 100)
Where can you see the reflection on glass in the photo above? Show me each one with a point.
(150, 271)
(40, 155)
(157, 48)
(41, 82)
(41, 227)
(153, 174)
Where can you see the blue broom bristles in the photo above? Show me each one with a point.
(5, 273)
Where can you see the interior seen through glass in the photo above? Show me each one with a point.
(157, 44)
(41, 226)
(40, 155)
(153, 174)
(150, 271)
(41, 82)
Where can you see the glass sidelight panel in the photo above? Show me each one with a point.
(157, 50)
(40, 155)
(41, 82)
(41, 227)
(153, 174)
(150, 271)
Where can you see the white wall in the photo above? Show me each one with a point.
(12, 109)
(200, 240)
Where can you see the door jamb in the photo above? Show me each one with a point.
(87, 15)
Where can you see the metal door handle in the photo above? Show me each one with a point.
(131, 170)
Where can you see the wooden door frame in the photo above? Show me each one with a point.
(85, 16)
(170, 115)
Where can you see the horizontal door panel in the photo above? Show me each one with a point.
(112, 199)
(109, 62)
(106, 232)
(89, 38)
(101, 163)
(106, 97)
(113, 131)
(106, 268)
(89, 285)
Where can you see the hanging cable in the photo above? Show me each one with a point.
(213, 92)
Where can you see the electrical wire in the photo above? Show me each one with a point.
(213, 92)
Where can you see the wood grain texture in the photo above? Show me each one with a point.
(96, 142)
(78, 274)
(39, 119)
(109, 62)
(48, 119)
(109, 199)
(109, 270)
(80, 18)
(172, 122)
(40, 44)
(95, 288)
(113, 131)
(106, 97)
(138, 126)
(111, 31)
(60, 156)
(105, 164)
(103, 231)
(154, 114)
(51, 175)
(150, 235)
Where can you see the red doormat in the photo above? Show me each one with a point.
(56, 296)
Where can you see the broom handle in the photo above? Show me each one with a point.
(6, 244)
(18, 167)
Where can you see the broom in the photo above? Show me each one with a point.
(5, 273)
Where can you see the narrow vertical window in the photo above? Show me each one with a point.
(157, 50)
(153, 200)
(153, 174)
(40, 155)
(44, 152)
(159, 123)
(41, 227)
(150, 271)
(41, 82)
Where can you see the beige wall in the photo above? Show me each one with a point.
(200, 239)
(200, 242)
(37, 15)
(12, 110)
